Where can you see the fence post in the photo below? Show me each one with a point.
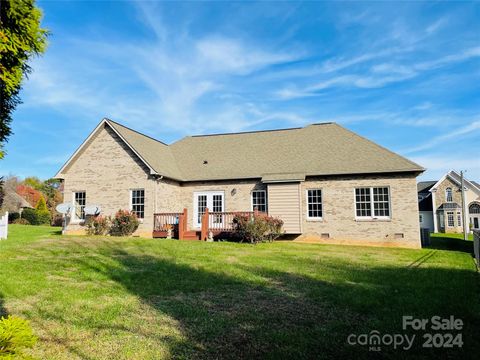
(476, 248)
(4, 226)
(204, 232)
(185, 219)
(181, 227)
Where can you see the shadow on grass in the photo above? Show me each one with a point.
(3, 311)
(450, 243)
(285, 315)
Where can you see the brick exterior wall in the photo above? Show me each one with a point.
(237, 194)
(339, 220)
(107, 170)
(440, 198)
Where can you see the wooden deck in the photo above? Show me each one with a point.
(219, 224)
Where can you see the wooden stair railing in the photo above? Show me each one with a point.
(204, 229)
(182, 224)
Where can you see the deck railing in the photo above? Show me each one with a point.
(164, 221)
(214, 222)
(221, 222)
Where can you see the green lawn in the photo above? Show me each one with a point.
(451, 242)
(115, 298)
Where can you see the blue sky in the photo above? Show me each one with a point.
(406, 75)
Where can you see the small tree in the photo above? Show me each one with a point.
(43, 215)
(41, 204)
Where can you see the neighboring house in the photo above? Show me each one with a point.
(324, 181)
(425, 205)
(14, 203)
(440, 204)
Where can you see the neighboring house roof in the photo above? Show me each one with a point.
(275, 155)
(15, 201)
(424, 186)
(456, 178)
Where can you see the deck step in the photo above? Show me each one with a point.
(191, 235)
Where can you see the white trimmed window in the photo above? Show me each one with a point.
(80, 200)
(314, 204)
(450, 219)
(459, 219)
(259, 200)
(372, 202)
(420, 217)
(138, 202)
(449, 194)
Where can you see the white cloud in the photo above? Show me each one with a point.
(438, 165)
(470, 129)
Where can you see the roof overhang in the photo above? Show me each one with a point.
(60, 173)
(283, 177)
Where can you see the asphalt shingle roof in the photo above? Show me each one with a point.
(424, 186)
(318, 149)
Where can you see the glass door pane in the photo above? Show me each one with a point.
(201, 206)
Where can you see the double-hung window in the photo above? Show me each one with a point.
(80, 200)
(372, 202)
(449, 194)
(450, 219)
(259, 200)
(138, 202)
(314, 204)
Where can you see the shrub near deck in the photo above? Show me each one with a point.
(126, 298)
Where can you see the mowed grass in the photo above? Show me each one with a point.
(131, 298)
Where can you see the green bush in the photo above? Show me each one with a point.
(256, 228)
(37, 217)
(124, 223)
(21, 221)
(30, 215)
(43, 217)
(15, 336)
(98, 225)
(13, 216)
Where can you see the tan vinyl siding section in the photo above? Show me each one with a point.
(284, 203)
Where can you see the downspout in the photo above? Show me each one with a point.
(158, 178)
(434, 209)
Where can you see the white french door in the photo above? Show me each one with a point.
(213, 200)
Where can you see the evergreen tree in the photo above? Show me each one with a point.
(21, 37)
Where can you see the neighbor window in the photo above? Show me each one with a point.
(449, 194)
(314, 204)
(138, 202)
(80, 200)
(450, 219)
(459, 219)
(259, 200)
(421, 218)
(372, 202)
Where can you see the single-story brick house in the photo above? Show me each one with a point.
(325, 182)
